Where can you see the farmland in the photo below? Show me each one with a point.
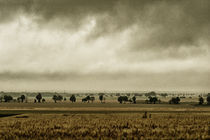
(67, 120)
(106, 120)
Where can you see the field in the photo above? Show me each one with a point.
(65, 120)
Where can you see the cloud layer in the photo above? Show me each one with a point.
(131, 44)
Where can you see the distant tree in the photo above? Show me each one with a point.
(117, 94)
(134, 99)
(152, 99)
(164, 94)
(201, 100)
(39, 97)
(73, 98)
(88, 98)
(64, 99)
(55, 98)
(19, 99)
(1, 99)
(43, 100)
(22, 97)
(59, 98)
(84, 100)
(122, 99)
(7, 98)
(138, 94)
(208, 100)
(101, 98)
(174, 100)
(150, 94)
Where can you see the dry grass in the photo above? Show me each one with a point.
(106, 126)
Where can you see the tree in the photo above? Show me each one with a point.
(101, 98)
(174, 100)
(134, 99)
(150, 94)
(1, 99)
(73, 98)
(57, 98)
(43, 100)
(19, 99)
(88, 98)
(39, 97)
(122, 99)
(22, 97)
(152, 100)
(164, 94)
(54, 98)
(7, 98)
(208, 100)
(201, 100)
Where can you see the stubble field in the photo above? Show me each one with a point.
(106, 121)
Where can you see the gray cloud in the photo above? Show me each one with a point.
(104, 40)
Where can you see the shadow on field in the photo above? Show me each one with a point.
(7, 115)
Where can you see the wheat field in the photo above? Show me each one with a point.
(106, 126)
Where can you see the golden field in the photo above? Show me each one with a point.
(106, 126)
(103, 121)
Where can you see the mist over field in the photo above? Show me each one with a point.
(105, 45)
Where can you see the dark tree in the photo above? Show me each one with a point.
(55, 97)
(59, 98)
(208, 100)
(7, 98)
(43, 100)
(152, 100)
(19, 99)
(64, 99)
(174, 100)
(22, 97)
(201, 100)
(88, 98)
(1, 99)
(164, 94)
(134, 99)
(84, 100)
(73, 98)
(39, 97)
(101, 98)
(122, 99)
(150, 94)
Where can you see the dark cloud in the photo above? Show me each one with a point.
(170, 23)
(114, 81)
(155, 30)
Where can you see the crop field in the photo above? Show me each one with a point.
(65, 120)
(106, 126)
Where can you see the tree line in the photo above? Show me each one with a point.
(152, 99)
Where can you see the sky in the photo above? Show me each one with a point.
(105, 45)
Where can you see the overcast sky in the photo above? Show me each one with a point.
(105, 45)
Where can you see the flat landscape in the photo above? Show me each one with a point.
(111, 120)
